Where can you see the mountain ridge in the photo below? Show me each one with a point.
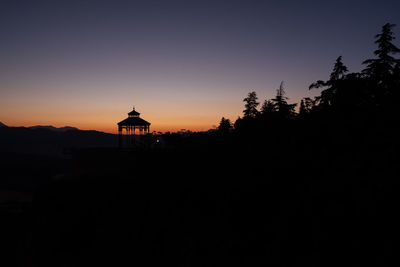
(51, 141)
(52, 128)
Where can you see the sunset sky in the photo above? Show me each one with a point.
(183, 64)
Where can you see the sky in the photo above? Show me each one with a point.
(182, 64)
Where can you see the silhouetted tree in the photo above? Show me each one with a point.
(267, 107)
(339, 70)
(251, 105)
(382, 67)
(396, 75)
(327, 97)
(247, 124)
(280, 104)
(302, 109)
(237, 123)
(306, 106)
(397, 70)
(225, 125)
(382, 72)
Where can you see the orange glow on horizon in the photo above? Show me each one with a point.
(109, 123)
(112, 129)
(163, 117)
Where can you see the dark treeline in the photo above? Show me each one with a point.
(356, 115)
(312, 184)
(367, 98)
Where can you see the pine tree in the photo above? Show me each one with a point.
(383, 66)
(329, 95)
(267, 107)
(339, 70)
(280, 104)
(302, 109)
(306, 106)
(251, 105)
(225, 125)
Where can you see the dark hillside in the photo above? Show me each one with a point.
(44, 141)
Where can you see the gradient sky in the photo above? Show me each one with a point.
(183, 64)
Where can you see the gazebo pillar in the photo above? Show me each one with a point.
(128, 133)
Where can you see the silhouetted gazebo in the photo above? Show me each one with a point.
(132, 124)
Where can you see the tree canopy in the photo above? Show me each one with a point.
(345, 97)
(251, 105)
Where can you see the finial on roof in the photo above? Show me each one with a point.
(134, 112)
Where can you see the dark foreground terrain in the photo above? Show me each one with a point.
(209, 201)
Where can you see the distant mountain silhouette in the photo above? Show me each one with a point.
(51, 141)
(52, 128)
(2, 124)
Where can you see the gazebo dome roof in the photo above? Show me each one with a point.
(133, 113)
(134, 121)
